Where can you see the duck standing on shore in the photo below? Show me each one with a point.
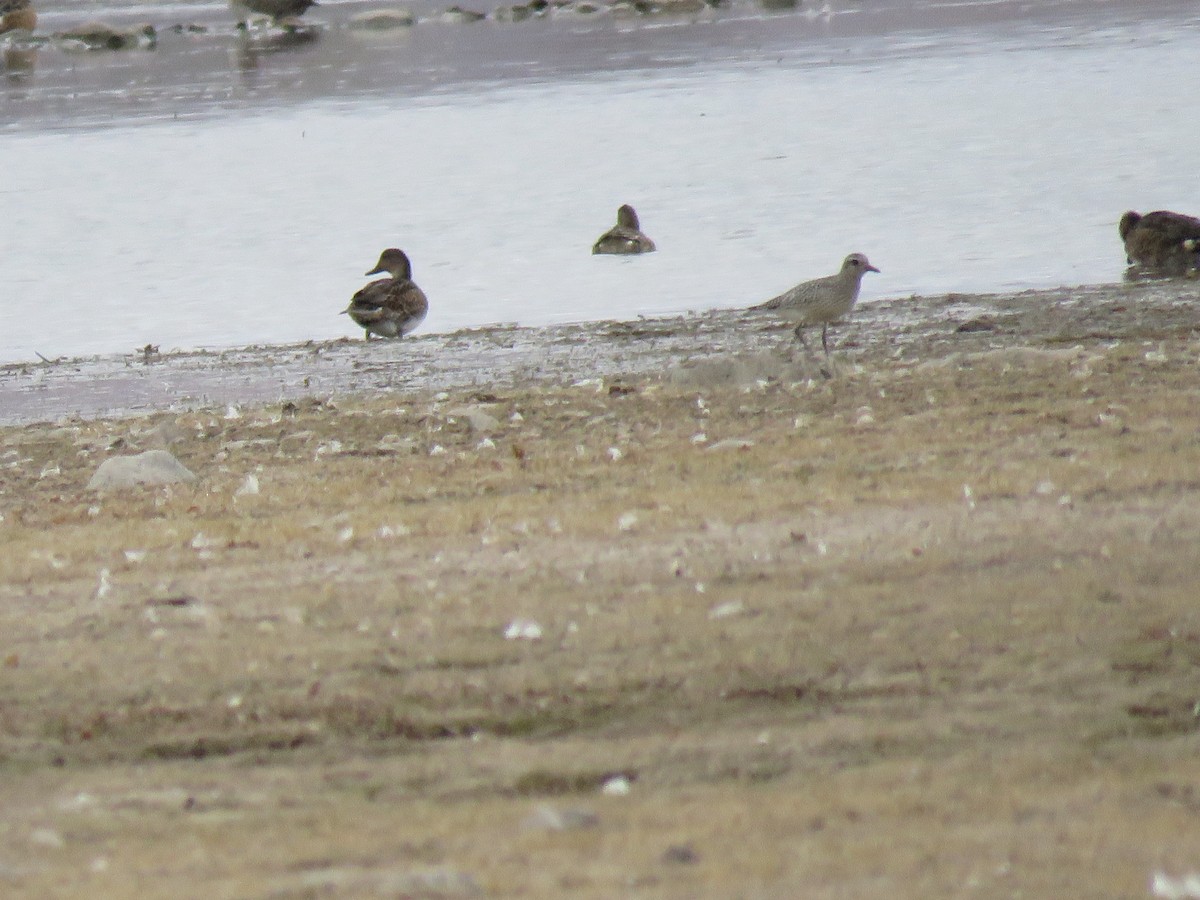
(1166, 243)
(277, 10)
(624, 237)
(389, 307)
(17, 15)
(821, 301)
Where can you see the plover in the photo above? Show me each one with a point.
(624, 237)
(1165, 242)
(821, 301)
(389, 307)
(17, 15)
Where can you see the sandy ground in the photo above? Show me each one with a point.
(632, 609)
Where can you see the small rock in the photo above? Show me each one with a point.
(248, 488)
(154, 467)
(391, 531)
(523, 630)
(551, 818)
(1186, 887)
(46, 837)
(475, 416)
(725, 610)
(730, 444)
(681, 854)
(983, 323)
(203, 542)
(617, 786)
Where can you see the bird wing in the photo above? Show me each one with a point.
(773, 303)
(1172, 227)
(371, 299)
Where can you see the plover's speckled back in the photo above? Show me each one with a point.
(389, 307)
(624, 237)
(821, 301)
(1167, 243)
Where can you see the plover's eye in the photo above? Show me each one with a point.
(854, 262)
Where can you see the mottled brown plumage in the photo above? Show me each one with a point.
(389, 307)
(17, 15)
(1166, 243)
(624, 237)
(821, 301)
(102, 36)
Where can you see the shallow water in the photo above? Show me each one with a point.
(217, 192)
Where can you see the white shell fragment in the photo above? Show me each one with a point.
(523, 630)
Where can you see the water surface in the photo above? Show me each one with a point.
(220, 192)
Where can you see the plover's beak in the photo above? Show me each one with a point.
(374, 271)
(871, 268)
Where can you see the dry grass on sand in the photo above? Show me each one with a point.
(927, 629)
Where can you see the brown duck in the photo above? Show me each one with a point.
(389, 307)
(624, 237)
(1166, 243)
(276, 9)
(17, 15)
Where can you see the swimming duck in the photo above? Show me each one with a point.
(274, 9)
(624, 237)
(456, 15)
(101, 36)
(381, 20)
(1167, 243)
(389, 307)
(17, 15)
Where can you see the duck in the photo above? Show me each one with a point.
(456, 15)
(1166, 243)
(102, 36)
(381, 20)
(389, 307)
(275, 10)
(624, 237)
(17, 15)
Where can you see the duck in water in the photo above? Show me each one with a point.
(624, 237)
(1162, 242)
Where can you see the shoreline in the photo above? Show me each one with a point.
(125, 385)
(642, 605)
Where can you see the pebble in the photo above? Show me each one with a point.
(523, 630)
(552, 818)
(617, 786)
(476, 417)
(154, 467)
